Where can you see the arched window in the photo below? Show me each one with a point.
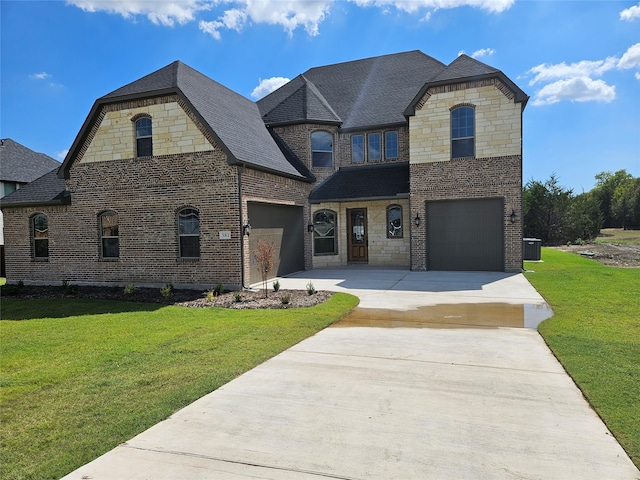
(189, 233)
(462, 132)
(109, 235)
(321, 150)
(40, 235)
(394, 221)
(144, 142)
(324, 232)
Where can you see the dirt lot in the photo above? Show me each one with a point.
(613, 247)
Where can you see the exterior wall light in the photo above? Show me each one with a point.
(417, 220)
(246, 229)
(512, 217)
(310, 228)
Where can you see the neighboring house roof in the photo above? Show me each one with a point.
(369, 93)
(363, 93)
(21, 164)
(46, 190)
(233, 120)
(390, 180)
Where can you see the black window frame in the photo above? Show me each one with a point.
(463, 138)
(144, 136)
(361, 158)
(39, 245)
(188, 238)
(393, 229)
(321, 234)
(395, 143)
(371, 149)
(109, 236)
(319, 155)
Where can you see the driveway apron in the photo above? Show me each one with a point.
(436, 375)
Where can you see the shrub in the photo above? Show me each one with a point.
(218, 290)
(265, 259)
(310, 288)
(210, 295)
(69, 288)
(237, 297)
(276, 286)
(130, 289)
(286, 299)
(166, 290)
(10, 290)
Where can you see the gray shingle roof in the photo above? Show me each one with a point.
(48, 189)
(464, 66)
(21, 164)
(364, 93)
(390, 180)
(231, 118)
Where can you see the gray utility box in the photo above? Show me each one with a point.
(531, 249)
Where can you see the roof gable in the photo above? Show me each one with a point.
(21, 164)
(233, 120)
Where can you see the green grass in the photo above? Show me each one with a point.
(79, 377)
(595, 333)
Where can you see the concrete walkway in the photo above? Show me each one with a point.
(374, 398)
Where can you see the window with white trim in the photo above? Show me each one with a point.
(463, 132)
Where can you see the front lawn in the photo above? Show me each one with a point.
(595, 333)
(79, 377)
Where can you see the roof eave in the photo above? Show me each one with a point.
(302, 122)
(519, 95)
(361, 199)
(62, 201)
(380, 126)
(235, 161)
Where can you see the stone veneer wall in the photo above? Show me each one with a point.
(383, 251)
(497, 177)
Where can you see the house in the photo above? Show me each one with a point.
(19, 165)
(397, 160)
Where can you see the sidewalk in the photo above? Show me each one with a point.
(362, 402)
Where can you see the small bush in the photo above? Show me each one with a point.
(286, 299)
(166, 290)
(129, 289)
(10, 290)
(310, 288)
(69, 288)
(210, 295)
(237, 297)
(218, 290)
(20, 284)
(276, 286)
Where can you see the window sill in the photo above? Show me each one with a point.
(109, 259)
(40, 259)
(188, 259)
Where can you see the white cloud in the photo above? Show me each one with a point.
(493, 6)
(637, 75)
(165, 13)
(62, 155)
(631, 13)
(289, 14)
(585, 68)
(631, 57)
(577, 89)
(267, 86)
(483, 52)
(40, 76)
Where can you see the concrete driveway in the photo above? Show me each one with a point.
(420, 382)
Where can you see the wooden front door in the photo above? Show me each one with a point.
(357, 234)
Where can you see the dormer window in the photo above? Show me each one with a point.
(144, 142)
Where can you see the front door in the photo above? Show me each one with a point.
(357, 232)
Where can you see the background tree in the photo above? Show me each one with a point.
(546, 209)
(607, 184)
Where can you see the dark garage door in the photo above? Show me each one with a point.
(284, 225)
(465, 235)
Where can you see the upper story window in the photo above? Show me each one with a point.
(40, 235)
(189, 233)
(462, 132)
(324, 232)
(321, 150)
(357, 148)
(374, 147)
(391, 144)
(394, 221)
(144, 142)
(109, 235)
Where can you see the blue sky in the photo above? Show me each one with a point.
(578, 60)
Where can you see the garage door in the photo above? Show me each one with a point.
(284, 225)
(465, 235)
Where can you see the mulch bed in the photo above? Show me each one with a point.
(185, 298)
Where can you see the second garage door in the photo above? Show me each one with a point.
(465, 235)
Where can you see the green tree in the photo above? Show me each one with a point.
(585, 218)
(546, 208)
(613, 205)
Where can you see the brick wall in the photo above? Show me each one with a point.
(496, 177)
